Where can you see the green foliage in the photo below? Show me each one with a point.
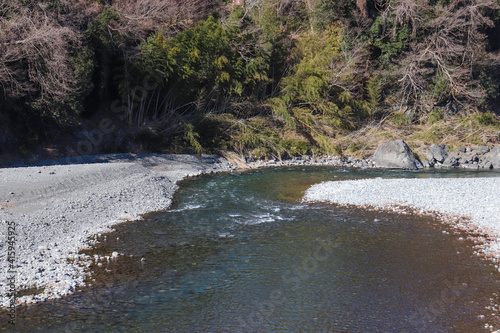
(374, 92)
(83, 66)
(256, 135)
(279, 107)
(327, 11)
(192, 137)
(159, 55)
(355, 146)
(98, 33)
(207, 57)
(308, 98)
(435, 134)
(310, 77)
(296, 147)
(391, 45)
(271, 78)
(399, 119)
(441, 88)
(435, 116)
(98, 29)
(490, 81)
(485, 119)
(387, 135)
(203, 54)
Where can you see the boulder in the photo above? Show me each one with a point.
(439, 153)
(482, 149)
(494, 157)
(427, 164)
(471, 157)
(396, 154)
(450, 162)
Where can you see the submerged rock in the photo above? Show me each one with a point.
(396, 154)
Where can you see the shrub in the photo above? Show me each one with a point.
(313, 93)
(400, 119)
(435, 116)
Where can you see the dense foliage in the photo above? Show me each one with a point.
(267, 77)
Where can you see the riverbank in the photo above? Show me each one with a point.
(56, 209)
(466, 203)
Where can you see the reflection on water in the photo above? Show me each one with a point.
(238, 252)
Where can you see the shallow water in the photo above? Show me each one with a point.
(239, 252)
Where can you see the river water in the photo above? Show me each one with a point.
(239, 252)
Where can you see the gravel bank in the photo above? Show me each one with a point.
(56, 208)
(475, 199)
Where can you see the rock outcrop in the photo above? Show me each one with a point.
(396, 154)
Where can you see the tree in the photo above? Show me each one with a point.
(35, 55)
(140, 18)
(319, 91)
(452, 52)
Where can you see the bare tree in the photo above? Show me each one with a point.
(140, 17)
(361, 5)
(35, 54)
(452, 49)
(457, 35)
(403, 12)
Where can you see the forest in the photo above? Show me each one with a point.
(261, 78)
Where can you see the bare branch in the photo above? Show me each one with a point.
(140, 17)
(34, 54)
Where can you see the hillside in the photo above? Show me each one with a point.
(262, 78)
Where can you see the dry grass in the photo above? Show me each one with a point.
(455, 132)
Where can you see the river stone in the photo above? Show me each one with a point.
(494, 157)
(450, 162)
(482, 149)
(396, 154)
(439, 153)
(427, 164)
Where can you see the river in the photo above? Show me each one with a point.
(239, 252)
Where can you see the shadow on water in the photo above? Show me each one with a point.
(239, 252)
